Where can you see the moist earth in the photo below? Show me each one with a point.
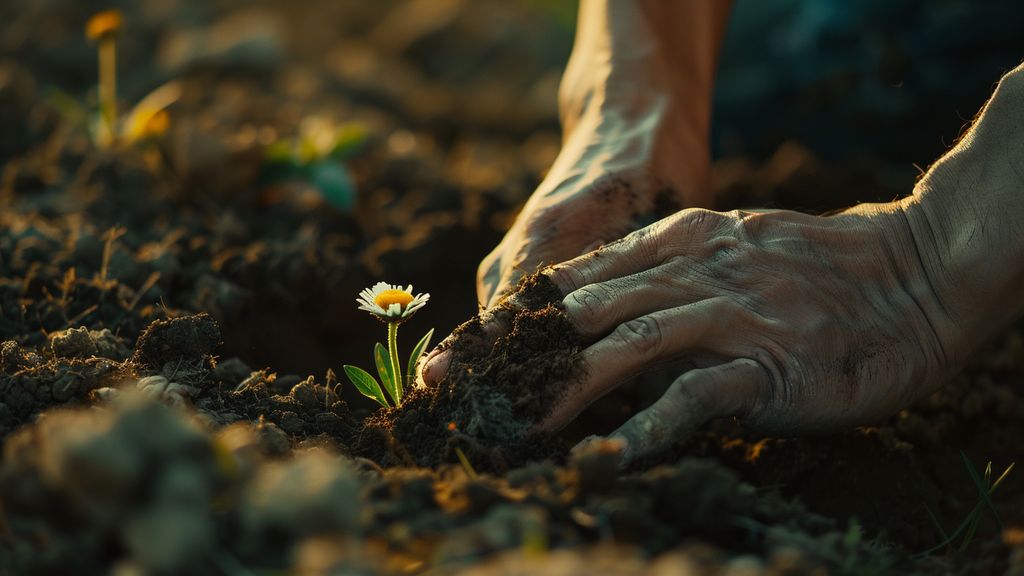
(171, 316)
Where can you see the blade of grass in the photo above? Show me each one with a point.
(465, 463)
(963, 525)
(935, 521)
(983, 488)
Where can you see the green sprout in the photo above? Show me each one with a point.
(966, 530)
(148, 118)
(392, 305)
(317, 155)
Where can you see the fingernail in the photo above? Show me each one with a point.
(625, 447)
(436, 366)
(600, 443)
(585, 443)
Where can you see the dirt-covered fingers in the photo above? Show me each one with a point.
(597, 309)
(639, 344)
(482, 331)
(693, 399)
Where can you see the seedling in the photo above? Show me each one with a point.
(147, 119)
(986, 488)
(392, 305)
(317, 155)
(102, 28)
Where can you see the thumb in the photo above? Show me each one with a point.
(693, 399)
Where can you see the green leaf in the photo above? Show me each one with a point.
(67, 106)
(348, 140)
(418, 351)
(334, 182)
(366, 384)
(280, 152)
(387, 373)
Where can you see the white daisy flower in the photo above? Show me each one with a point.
(391, 302)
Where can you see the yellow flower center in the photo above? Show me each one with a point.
(102, 24)
(388, 297)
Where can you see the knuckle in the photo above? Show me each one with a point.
(690, 390)
(593, 302)
(643, 245)
(702, 220)
(642, 335)
(567, 276)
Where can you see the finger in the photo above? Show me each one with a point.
(693, 399)
(436, 366)
(480, 333)
(636, 252)
(635, 346)
(596, 309)
(693, 231)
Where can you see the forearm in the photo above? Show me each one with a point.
(639, 82)
(632, 55)
(967, 217)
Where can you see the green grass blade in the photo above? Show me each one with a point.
(470, 471)
(366, 384)
(983, 488)
(386, 370)
(948, 541)
(938, 525)
(1001, 478)
(418, 351)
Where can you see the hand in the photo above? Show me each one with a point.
(617, 172)
(796, 323)
(635, 106)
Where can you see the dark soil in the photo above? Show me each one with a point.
(169, 316)
(496, 389)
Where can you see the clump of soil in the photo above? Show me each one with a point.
(497, 388)
(164, 341)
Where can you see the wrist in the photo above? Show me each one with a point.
(965, 217)
(632, 58)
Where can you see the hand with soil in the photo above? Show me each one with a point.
(635, 103)
(800, 323)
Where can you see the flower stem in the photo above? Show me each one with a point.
(108, 85)
(396, 367)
